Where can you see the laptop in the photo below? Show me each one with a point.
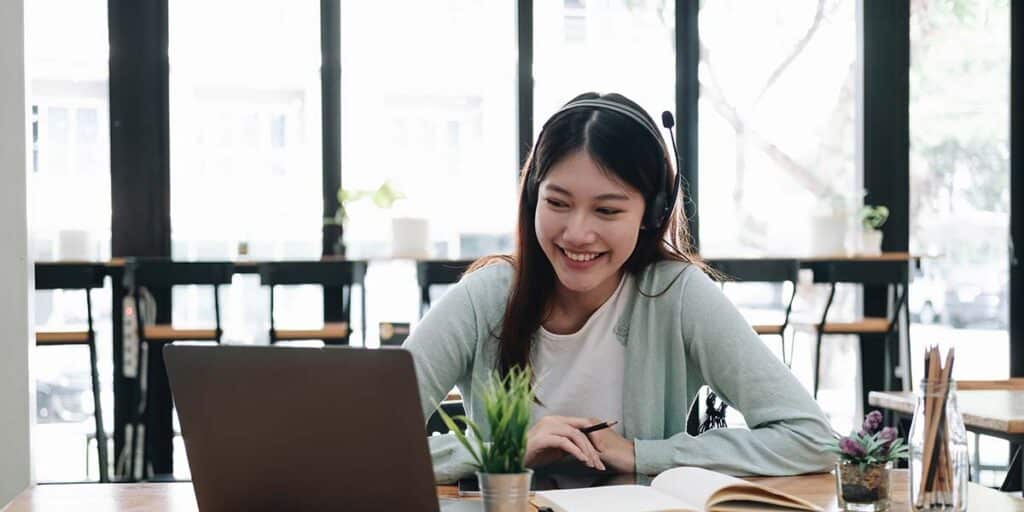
(287, 428)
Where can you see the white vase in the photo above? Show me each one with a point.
(410, 237)
(871, 242)
(828, 234)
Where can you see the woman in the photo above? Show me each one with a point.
(603, 299)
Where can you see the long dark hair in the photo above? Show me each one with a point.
(620, 146)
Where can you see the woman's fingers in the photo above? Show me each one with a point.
(563, 432)
(569, 447)
(580, 439)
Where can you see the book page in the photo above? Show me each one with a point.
(712, 489)
(694, 485)
(614, 498)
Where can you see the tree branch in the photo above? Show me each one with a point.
(795, 52)
(803, 175)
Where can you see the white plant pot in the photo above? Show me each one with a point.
(871, 242)
(828, 234)
(410, 238)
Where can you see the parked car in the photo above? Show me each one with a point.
(959, 303)
(64, 398)
(975, 305)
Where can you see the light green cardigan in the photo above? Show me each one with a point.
(689, 336)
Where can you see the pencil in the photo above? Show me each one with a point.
(600, 426)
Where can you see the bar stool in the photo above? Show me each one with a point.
(78, 276)
(437, 272)
(326, 273)
(768, 270)
(893, 275)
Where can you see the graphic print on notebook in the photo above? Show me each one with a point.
(682, 489)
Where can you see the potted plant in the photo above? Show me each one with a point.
(383, 197)
(872, 218)
(504, 480)
(866, 459)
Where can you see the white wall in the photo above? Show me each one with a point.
(15, 396)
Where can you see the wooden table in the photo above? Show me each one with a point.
(998, 413)
(178, 497)
(992, 412)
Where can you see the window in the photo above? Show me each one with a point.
(776, 120)
(66, 43)
(959, 189)
(778, 173)
(245, 152)
(429, 109)
(603, 46)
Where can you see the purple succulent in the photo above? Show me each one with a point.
(888, 435)
(851, 447)
(871, 423)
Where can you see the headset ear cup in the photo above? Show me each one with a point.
(654, 214)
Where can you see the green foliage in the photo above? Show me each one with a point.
(876, 450)
(383, 197)
(873, 217)
(507, 402)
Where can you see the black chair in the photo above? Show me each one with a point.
(893, 275)
(326, 273)
(437, 272)
(77, 276)
(165, 274)
(767, 270)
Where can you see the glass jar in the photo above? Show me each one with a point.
(945, 485)
(863, 487)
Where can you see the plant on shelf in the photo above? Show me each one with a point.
(383, 197)
(872, 218)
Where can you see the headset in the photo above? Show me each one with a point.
(660, 206)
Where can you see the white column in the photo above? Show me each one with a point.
(15, 277)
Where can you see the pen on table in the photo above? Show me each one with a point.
(600, 426)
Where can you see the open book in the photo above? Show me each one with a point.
(682, 489)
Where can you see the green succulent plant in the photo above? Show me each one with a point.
(873, 217)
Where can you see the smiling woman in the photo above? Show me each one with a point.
(587, 224)
(603, 299)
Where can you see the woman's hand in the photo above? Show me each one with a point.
(552, 437)
(616, 451)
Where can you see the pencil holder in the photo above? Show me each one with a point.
(938, 449)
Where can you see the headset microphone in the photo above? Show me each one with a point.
(669, 122)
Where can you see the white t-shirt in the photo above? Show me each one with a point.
(581, 374)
